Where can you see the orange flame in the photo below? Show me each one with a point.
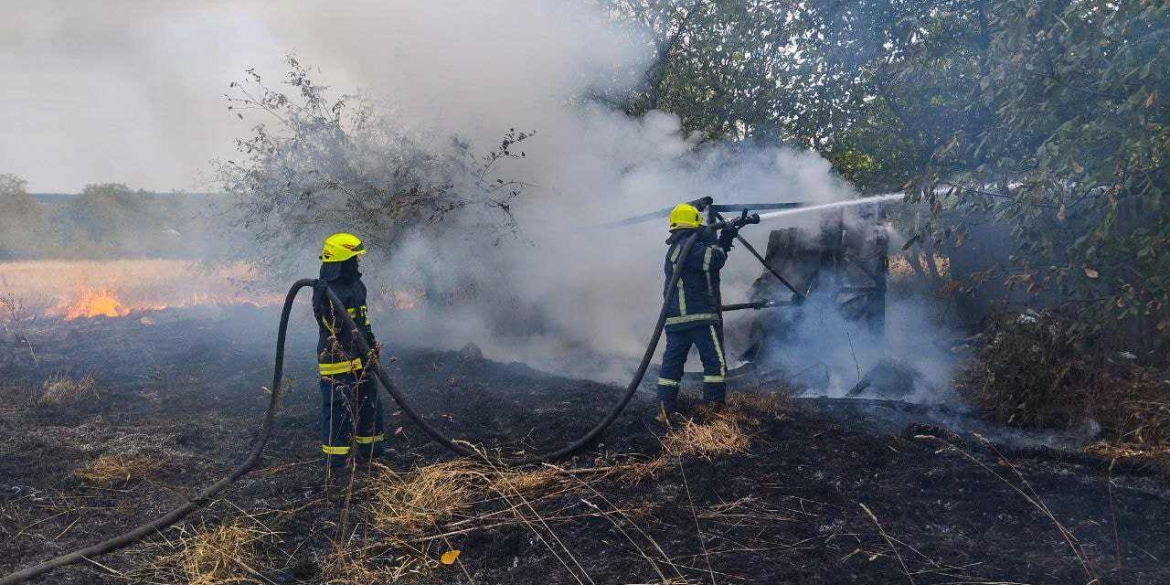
(96, 303)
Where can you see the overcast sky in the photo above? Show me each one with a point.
(132, 90)
(122, 91)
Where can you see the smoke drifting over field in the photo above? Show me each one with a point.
(565, 291)
(562, 294)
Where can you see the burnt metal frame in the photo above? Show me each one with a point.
(835, 255)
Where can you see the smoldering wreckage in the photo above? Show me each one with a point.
(515, 477)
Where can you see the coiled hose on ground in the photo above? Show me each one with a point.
(349, 327)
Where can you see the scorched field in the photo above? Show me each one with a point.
(118, 419)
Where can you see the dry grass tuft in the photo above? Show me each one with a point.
(422, 498)
(65, 390)
(722, 434)
(118, 468)
(217, 555)
(361, 567)
(759, 404)
(524, 481)
(640, 471)
(1123, 451)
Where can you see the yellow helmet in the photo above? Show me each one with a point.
(341, 247)
(685, 216)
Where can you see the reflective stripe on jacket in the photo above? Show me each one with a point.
(337, 353)
(697, 298)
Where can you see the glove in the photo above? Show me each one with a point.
(727, 237)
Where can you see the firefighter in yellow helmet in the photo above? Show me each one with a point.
(693, 316)
(351, 413)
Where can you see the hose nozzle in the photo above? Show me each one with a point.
(738, 222)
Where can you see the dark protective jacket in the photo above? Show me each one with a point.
(338, 353)
(697, 297)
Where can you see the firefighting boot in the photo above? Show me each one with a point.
(668, 416)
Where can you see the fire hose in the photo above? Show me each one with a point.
(349, 326)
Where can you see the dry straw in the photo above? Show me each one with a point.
(65, 390)
(421, 499)
(117, 468)
(723, 434)
(215, 555)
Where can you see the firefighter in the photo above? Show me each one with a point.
(693, 316)
(351, 413)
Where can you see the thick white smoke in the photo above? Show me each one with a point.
(565, 294)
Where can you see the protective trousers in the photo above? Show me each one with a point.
(708, 338)
(350, 412)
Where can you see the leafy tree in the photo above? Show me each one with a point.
(787, 73)
(1067, 143)
(111, 219)
(22, 219)
(1049, 116)
(331, 164)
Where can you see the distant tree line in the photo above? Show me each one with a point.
(107, 220)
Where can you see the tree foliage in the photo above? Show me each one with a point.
(111, 219)
(322, 164)
(1067, 141)
(104, 220)
(22, 218)
(1048, 116)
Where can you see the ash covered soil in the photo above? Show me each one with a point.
(816, 495)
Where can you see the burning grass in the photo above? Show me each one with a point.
(115, 288)
(58, 390)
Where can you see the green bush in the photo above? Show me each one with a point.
(1034, 372)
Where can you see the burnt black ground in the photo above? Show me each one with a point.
(789, 511)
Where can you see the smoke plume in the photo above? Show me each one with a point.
(562, 293)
